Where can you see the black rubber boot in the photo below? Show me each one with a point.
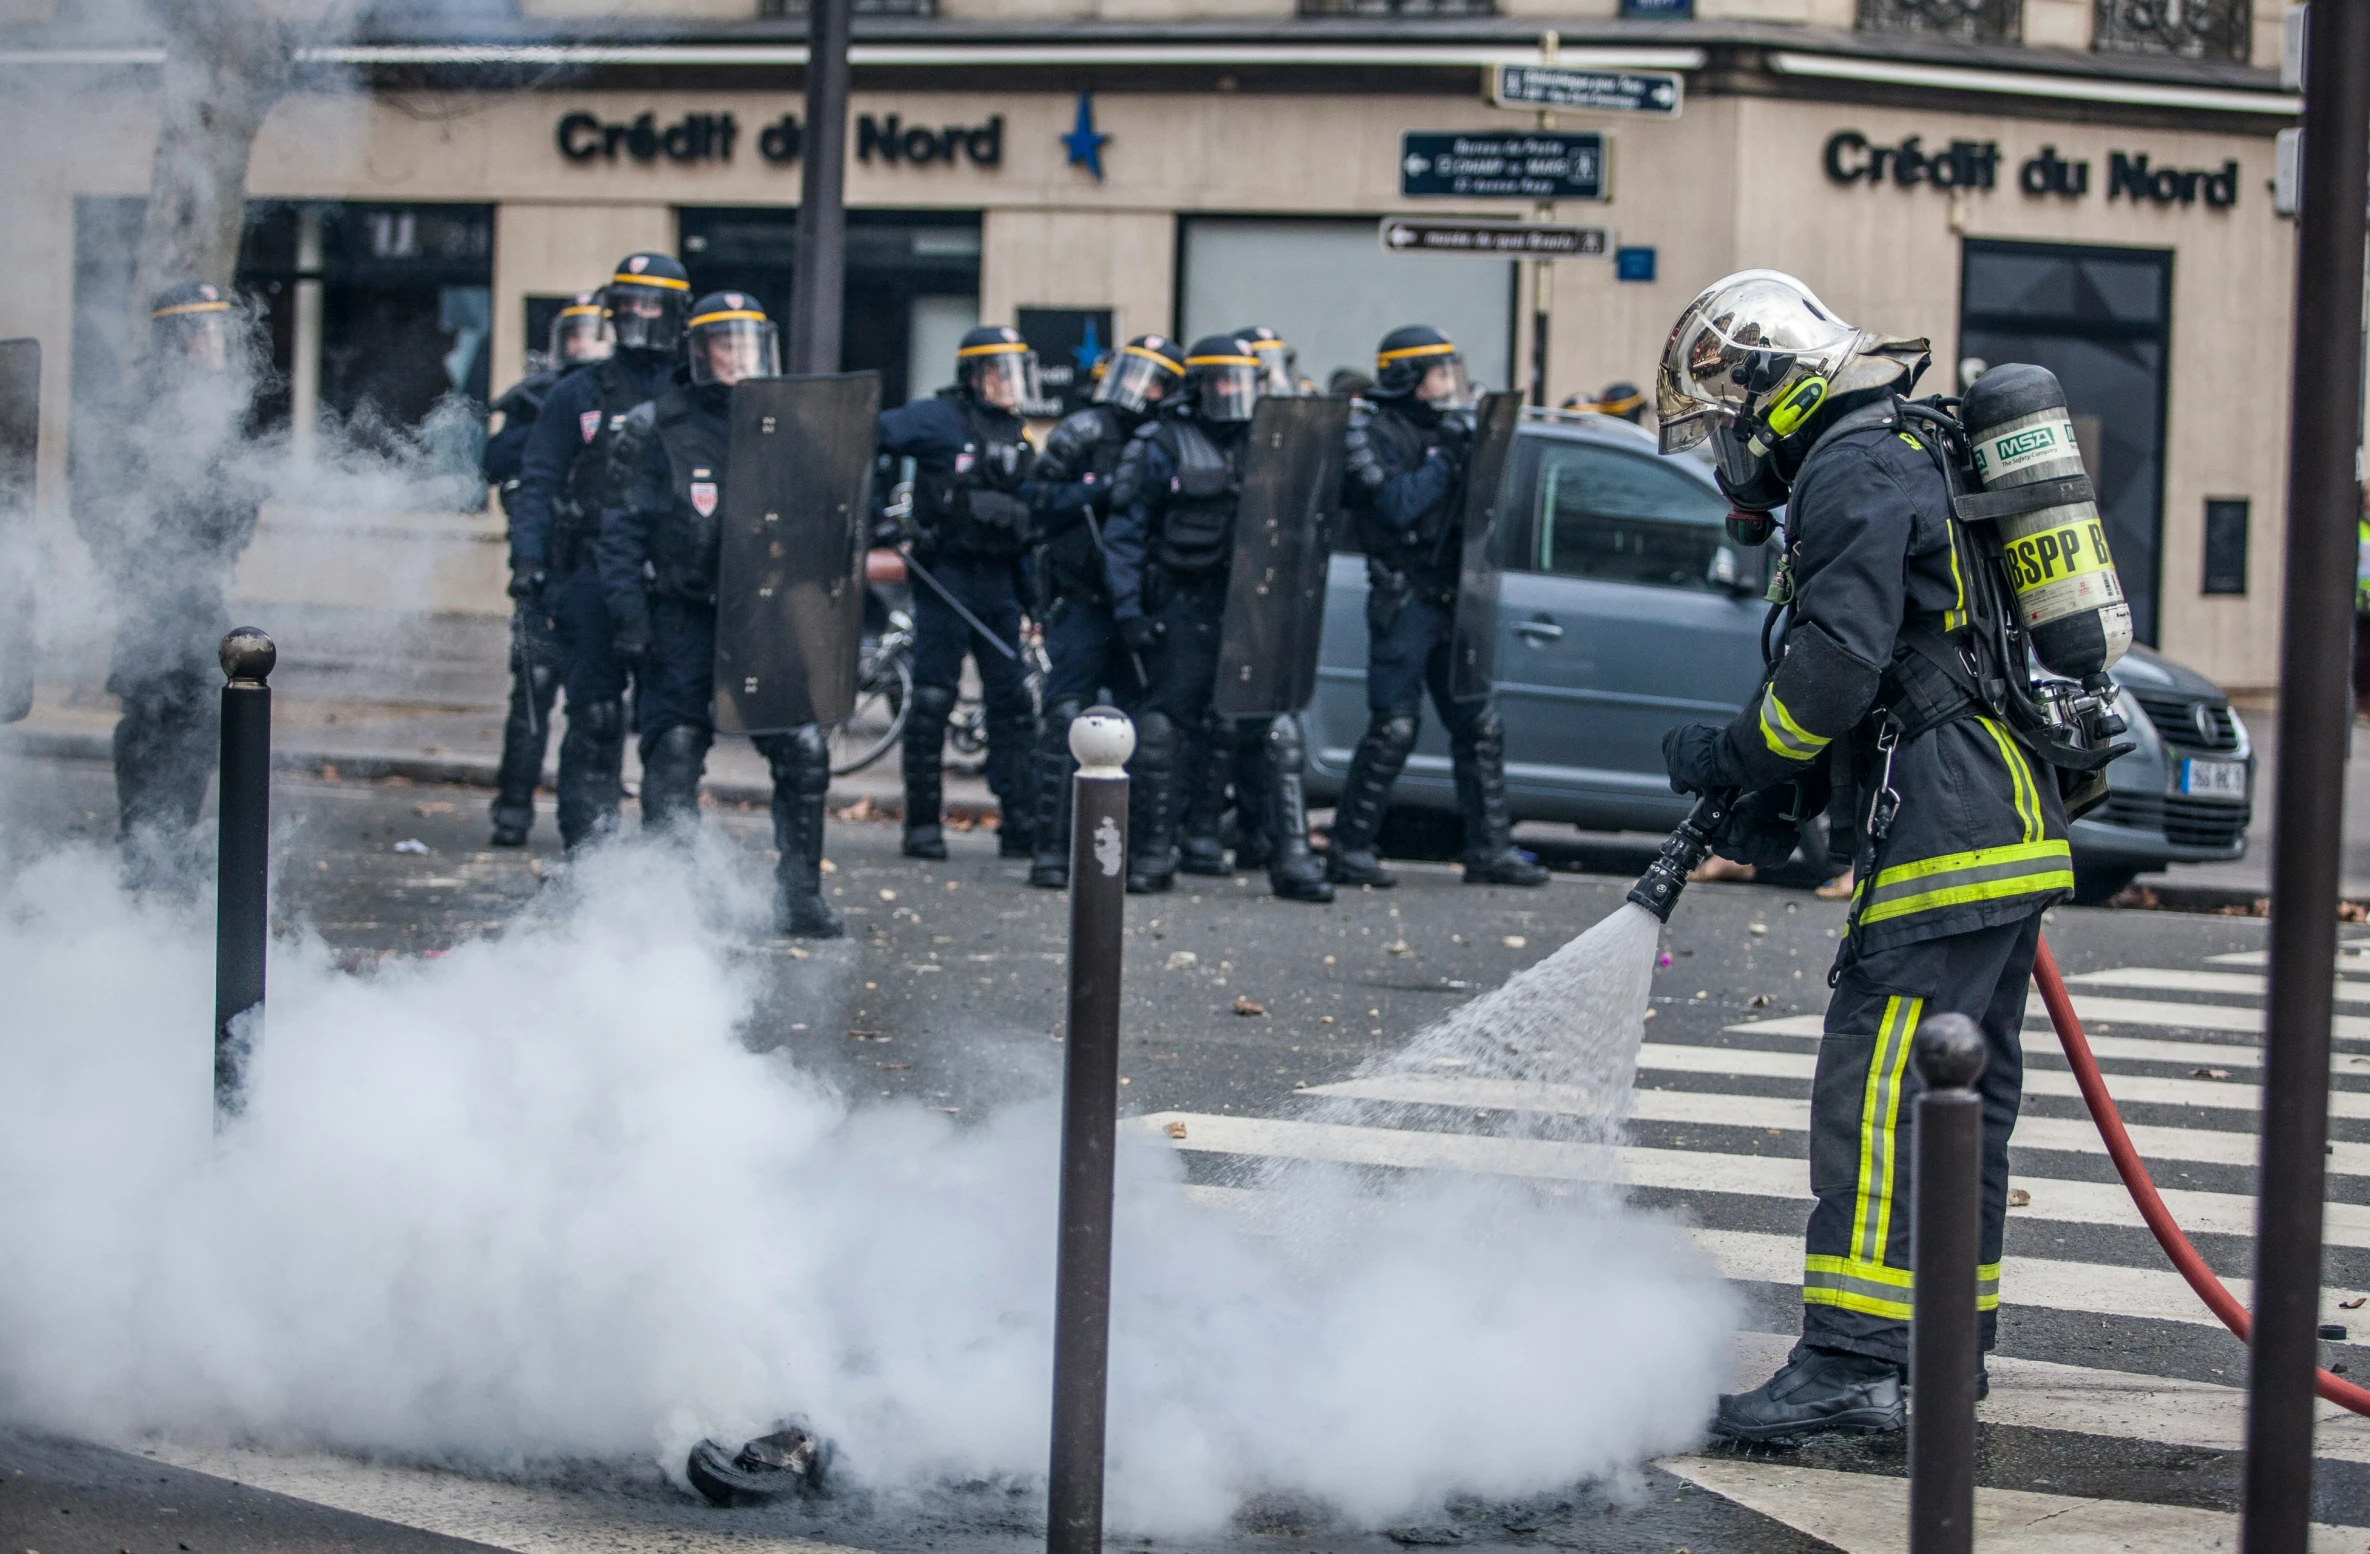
(1490, 856)
(1816, 1392)
(1152, 850)
(1204, 765)
(592, 772)
(801, 765)
(1049, 861)
(1012, 749)
(1293, 873)
(1365, 794)
(922, 757)
(672, 762)
(526, 734)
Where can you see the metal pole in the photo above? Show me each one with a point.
(1946, 1233)
(2315, 713)
(242, 877)
(1102, 739)
(819, 273)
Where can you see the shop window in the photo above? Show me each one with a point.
(2191, 29)
(1967, 21)
(2225, 547)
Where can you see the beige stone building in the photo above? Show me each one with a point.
(2088, 183)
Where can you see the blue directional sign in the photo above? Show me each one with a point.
(1516, 165)
(1613, 91)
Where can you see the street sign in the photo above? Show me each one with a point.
(1561, 86)
(1517, 165)
(1493, 239)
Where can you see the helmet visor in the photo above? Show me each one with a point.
(580, 333)
(1738, 347)
(1276, 361)
(195, 337)
(644, 317)
(733, 347)
(1136, 379)
(1005, 377)
(1444, 384)
(1225, 387)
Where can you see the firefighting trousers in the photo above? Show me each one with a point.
(1856, 1270)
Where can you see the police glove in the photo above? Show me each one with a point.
(1455, 438)
(1141, 633)
(631, 643)
(1697, 757)
(526, 584)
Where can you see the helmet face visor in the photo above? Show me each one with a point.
(1741, 346)
(1444, 385)
(1136, 379)
(193, 339)
(1224, 387)
(644, 317)
(1276, 364)
(730, 348)
(1003, 377)
(579, 334)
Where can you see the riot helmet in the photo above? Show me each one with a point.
(1279, 364)
(1141, 373)
(1419, 362)
(996, 367)
(645, 299)
(580, 332)
(731, 340)
(1757, 354)
(189, 327)
(1624, 401)
(1223, 377)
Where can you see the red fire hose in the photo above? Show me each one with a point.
(2143, 1191)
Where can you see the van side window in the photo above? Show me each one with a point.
(1622, 517)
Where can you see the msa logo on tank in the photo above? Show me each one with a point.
(703, 493)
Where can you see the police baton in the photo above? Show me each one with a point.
(522, 661)
(242, 876)
(1095, 532)
(957, 605)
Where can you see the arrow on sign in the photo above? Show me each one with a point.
(1416, 166)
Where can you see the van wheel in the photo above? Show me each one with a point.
(2097, 884)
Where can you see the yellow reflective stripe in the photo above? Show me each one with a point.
(727, 315)
(579, 309)
(1987, 1287)
(2020, 779)
(1956, 616)
(1221, 361)
(191, 307)
(1956, 879)
(1405, 351)
(1000, 348)
(1154, 357)
(663, 282)
(1783, 735)
(1852, 1285)
(1880, 1112)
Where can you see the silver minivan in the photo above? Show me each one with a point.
(1624, 609)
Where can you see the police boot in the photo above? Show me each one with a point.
(1365, 795)
(524, 738)
(922, 754)
(671, 766)
(592, 768)
(1294, 872)
(1254, 791)
(1049, 865)
(1490, 858)
(802, 780)
(1012, 745)
(1151, 824)
(166, 745)
(1205, 764)
(1817, 1392)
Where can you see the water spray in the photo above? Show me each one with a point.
(1683, 852)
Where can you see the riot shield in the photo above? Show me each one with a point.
(1275, 593)
(20, 443)
(790, 572)
(1473, 639)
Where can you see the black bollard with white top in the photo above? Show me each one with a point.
(1102, 739)
(242, 878)
(1946, 1232)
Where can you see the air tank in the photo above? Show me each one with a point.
(2058, 562)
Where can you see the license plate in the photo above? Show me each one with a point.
(2214, 779)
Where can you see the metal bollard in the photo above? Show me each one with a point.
(1102, 739)
(1946, 1235)
(242, 879)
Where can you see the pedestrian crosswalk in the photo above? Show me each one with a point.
(1721, 1117)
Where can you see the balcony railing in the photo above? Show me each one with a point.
(1967, 21)
(2193, 29)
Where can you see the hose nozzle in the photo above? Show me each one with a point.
(1683, 852)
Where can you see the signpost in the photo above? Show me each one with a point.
(1516, 165)
(1604, 91)
(1494, 239)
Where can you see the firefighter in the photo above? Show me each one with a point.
(1961, 834)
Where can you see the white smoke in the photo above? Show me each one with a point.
(537, 1200)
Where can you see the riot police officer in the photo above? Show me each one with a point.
(580, 335)
(166, 526)
(563, 489)
(1962, 834)
(971, 536)
(1405, 489)
(1070, 492)
(1169, 549)
(658, 553)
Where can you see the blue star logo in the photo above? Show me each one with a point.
(1083, 143)
(1088, 351)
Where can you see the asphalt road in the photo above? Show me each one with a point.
(949, 991)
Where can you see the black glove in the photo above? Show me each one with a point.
(526, 583)
(631, 643)
(1455, 437)
(1758, 831)
(1698, 759)
(1141, 633)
